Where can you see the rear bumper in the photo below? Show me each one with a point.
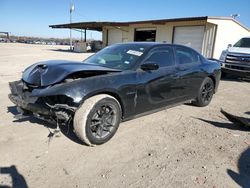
(217, 80)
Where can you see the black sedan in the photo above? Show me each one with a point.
(118, 83)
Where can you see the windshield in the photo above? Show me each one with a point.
(120, 56)
(243, 43)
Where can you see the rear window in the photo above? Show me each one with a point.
(186, 56)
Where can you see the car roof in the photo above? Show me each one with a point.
(150, 44)
(142, 43)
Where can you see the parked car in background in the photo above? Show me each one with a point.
(4, 40)
(236, 59)
(118, 83)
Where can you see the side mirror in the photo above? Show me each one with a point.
(147, 66)
(229, 46)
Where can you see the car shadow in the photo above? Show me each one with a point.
(235, 78)
(67, 131)
(66, 50)
(243, 177)
(231, 126)
(18, 180)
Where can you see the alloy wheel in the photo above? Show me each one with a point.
(207, 92)
(103, 121)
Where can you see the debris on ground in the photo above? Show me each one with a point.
(52, 134)
(236, 119)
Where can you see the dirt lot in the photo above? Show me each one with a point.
(184, 146)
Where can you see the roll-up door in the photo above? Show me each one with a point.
(114, 36)
(191, 36)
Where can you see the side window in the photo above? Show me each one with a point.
(162, 56)
(186, 56)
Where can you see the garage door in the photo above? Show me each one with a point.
(114, 36)
(191, 36)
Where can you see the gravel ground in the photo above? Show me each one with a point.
(184, 146)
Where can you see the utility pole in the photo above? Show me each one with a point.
(72, 8)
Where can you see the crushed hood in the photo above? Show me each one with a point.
(51, 72)
(239, 50)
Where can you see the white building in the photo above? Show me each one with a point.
(208, 35)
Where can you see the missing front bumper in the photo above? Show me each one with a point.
(32, 107)
(41, 107)
(20, 96)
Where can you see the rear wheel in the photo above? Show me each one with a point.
(98, 119)
(205, 94)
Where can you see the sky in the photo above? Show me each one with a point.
(33, 17)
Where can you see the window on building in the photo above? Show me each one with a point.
(144, 34)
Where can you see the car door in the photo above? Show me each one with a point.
(189, 70)
(157, 87)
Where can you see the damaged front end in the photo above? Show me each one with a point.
(53, 90)
(58, 108)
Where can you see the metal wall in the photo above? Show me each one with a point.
(228, 32)
(209, 40)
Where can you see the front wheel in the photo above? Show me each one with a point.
(205, 94)
(98, 119)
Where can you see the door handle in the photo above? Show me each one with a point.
(176, 75)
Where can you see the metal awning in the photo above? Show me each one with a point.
(97, 26)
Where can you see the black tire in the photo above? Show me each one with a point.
(205, 94)
(97, 119)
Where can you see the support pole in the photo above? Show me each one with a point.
(71, 48)
(81, 35)
(85, 35)
(72, 8)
